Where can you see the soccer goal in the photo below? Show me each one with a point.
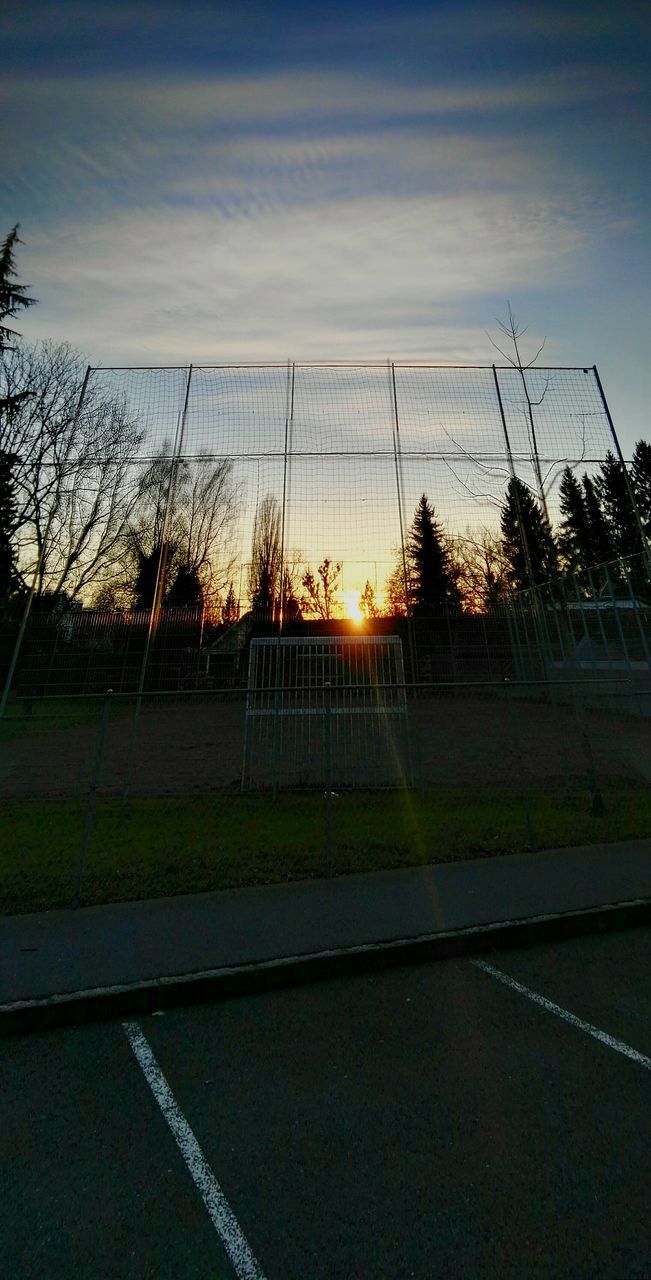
(326, 711)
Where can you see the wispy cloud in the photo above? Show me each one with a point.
(354, 277)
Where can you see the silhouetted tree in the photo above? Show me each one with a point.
(367, 602)
(615, 501)
(230, 608)
(482, 570)
(431, 576)
(10, 580)
(527, 540)
(574, 538)
(602, 544)
(264, 570)
(147, 575)
(641, 474)
(185, 588)
(13, 296)
(321, 592)
(73, 477)
(395, 591)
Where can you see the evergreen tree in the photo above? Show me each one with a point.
(186, 589)
(431, 579)
(146, 576)
(230, 610)
(527, 540)
(641, 474)
(615, 502)
(574, 540)
(601, 540)
(13, 296)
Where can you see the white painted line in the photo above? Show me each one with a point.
(619, 1046)
(223, 1219)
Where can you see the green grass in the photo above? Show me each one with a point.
(152, 847)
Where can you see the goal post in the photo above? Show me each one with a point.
(326, 711)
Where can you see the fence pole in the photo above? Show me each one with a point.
(92, 793)
(397, 462)
(39, 563)
(644, 541)
(636, 610)
(519, 769)
(159, 585)
(328, 842)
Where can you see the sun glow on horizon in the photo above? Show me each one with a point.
(352, 610)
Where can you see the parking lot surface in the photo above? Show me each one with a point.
(427, 1121)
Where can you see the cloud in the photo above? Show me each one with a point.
(359, 277)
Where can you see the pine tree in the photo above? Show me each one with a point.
(13, 296)
(431, 580)
(186, 589)
(230, 610)
(641, 475)
(574, 540)
(527, 540)
(601, 540)
(615, 502)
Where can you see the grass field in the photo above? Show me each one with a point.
(156, 846)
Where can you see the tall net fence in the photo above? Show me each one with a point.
(346, 452)
(194, 642)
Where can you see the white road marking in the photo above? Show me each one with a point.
(619, 1046)
(222, 1216)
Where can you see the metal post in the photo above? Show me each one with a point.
(159, 585)
(279, 680)
(289, 422)
(397, 461)
(41, 555)
(636, 609)
(644, 541)
(328, 844)
(514, 477)
(92, 792)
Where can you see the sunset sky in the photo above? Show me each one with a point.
(215, 182)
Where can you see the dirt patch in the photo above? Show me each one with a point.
(196, 745)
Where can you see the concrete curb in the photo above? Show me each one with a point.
(139, 998)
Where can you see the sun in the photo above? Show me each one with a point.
(352, 610)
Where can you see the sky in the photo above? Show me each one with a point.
(216, 182)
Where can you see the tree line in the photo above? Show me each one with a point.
(84, 517)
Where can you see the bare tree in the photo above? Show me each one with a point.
(513, 332)
(482, 570)
(396, 590)
(179, 540)
(320, 597)
(73, 473)
(265, 566)
(368, 605)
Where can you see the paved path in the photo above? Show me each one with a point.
(62, 952)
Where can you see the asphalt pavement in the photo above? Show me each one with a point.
(419, 1122)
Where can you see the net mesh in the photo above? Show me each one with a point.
(346, 452)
